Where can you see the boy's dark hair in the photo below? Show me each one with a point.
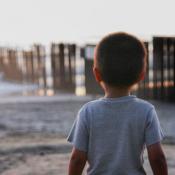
(121, 59)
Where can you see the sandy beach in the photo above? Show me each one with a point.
(33, 134)
(38, 154)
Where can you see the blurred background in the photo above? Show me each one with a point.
(46, 58)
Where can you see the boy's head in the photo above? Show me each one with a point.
(120, 60)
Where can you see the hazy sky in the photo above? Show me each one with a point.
(26, 21)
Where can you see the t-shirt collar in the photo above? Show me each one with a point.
(115, 99)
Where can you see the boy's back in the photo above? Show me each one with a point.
(113, 132)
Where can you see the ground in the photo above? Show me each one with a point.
(33, 134)
(38, 154)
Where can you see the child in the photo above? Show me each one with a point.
(111, 133)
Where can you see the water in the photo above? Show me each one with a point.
(9, 88)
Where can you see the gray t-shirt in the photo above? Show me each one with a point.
(114, 132)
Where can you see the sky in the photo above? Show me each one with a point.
(23, 22)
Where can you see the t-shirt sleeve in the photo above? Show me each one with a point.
(79, 134)
(153, 131)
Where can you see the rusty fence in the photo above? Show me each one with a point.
(159, 81)
(164, 68)
(9, 64)
(30, 66)
(63, 66)
(71, 68)
(24, 65)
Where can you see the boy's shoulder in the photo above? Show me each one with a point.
(142, 106)
(91, 104)
(87, 108)
(144, 103)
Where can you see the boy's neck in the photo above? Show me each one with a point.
(115, 92)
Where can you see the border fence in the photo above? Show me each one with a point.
(71, 66)
(164, 68)
(9, 64)
(63, 66)
(90, 83)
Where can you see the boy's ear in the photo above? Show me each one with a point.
(142, 75)
(97, 74)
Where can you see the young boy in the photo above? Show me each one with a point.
(111, 133)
